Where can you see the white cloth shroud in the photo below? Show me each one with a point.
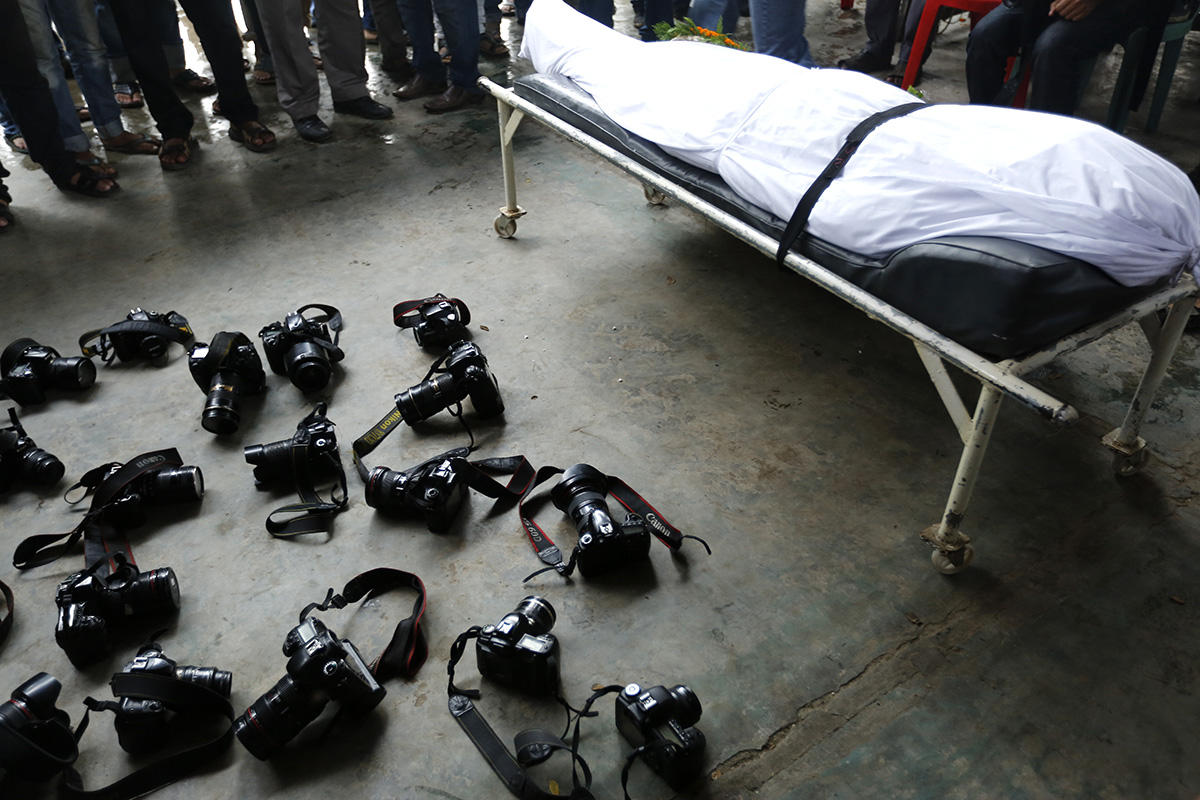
(769, 127)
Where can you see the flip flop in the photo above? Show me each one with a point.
(143, 145)
(11, 138)
(264, 78)
(193, 82)
(88, 184)
(5, 214)
(131, 90)
(247, 138)
(187, 147)
(99, 166)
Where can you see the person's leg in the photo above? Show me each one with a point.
(880, 19)
(460, 25)
(779, 30)
(343, 49)
(135, 21)
(393, 39)
(217, 30)
(712, 13)
(995, 39)
(119, 68)
(165, 21)
(45, 50)
(655, 11)
(599, 10)
(1064, 44)
(11, 131)
(296, 82)
(264, 66)
(76, 23)
(418, 21)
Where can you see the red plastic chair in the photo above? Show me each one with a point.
(976, 8)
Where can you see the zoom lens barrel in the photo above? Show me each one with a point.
(308, 366)
(274, 719)
(222, 406)
(153, 592)
(71, 373)
(40, 467)
(539, 612)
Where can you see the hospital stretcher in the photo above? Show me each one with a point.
(995, 309)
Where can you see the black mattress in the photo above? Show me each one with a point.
(997, 297)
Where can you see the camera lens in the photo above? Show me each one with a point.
(40, 467)
(275, 718)
(581, 485)
(153, 592)
(386, 489)
(219, 680)
(428, 398)
(687, 705)
(154, 348)
(539, 612)
(31, 701)
(308, 366)
(174, 484)
(272, 461)
(222, 410)
(71, 373)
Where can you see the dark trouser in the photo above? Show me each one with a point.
(881, 18)
(393, 51)
(27, 96)
(460, 24)
(1058, 51)
(217, 29)
(135, 21)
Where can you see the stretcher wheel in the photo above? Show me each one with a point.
(1126, 465)
(653, 196)
(506, 227)
(943, 564)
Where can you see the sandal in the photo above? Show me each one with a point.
(97, 165)
(139, 145)
(182, 147)
(897, 78)
(84, 113)
(131, 91)
(257, 139)
(5, 214)
(490, 45)
(87, 182)
(12, 138)
(190, 80)
(262, 77)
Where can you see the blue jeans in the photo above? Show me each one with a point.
(165, 24)
(6, 122)
(76, 24)
(1059, 48)
(778, 25)
(460, 26)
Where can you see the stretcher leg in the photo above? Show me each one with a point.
(506, 223)
(1129, 449)
(951, 550)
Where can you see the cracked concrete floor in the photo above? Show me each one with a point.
(801, 440)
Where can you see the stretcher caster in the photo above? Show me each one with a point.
(945, 562)
(653, 196)
(1126, 464)
(505, 227)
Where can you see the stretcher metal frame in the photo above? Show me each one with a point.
(951, 550)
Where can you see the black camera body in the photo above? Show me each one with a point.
(90, 606)
(519, 651)
(465, 374)
(662, 720)
(132, 345)
(435, 490)
(440, 322)
(159, 487)
(42, 745)
(603, 544)
(302, 349)
(226, 371)
(142, 722)
(28, 369)
(21, 458)
(316, 441)
(320, 668)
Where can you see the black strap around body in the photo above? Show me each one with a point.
(403, 312)
(799, 221)
(103, 348)
(104, 487)
(312, 514)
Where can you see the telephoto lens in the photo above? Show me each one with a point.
(28, 369)
(226, 370)
(21, 458)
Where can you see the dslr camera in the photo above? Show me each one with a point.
(302, 349)
(143, 335)
(226, 370)
(520, 652)
(440, 321)
(320, 668)
(662, 720)
(434, 490)
(313, 447)
(158, 487)
(603, 545)
(21, 458)
(141, 722)
(39, 743)
(464, 373)
(28, 369)
(90, 605)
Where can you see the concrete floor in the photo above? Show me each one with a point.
(800, 439)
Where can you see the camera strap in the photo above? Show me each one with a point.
(532, 746)
(104, 348)
(7, 622)
(104, 488)
(799, 221)
(179, 696)
(407, 650)
(219, 349)
(599, 692)
(633, 502)
(401, 311)
(312, 514)
(333, 319)
(41, 749)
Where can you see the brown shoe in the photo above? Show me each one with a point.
(452, 99)
(419, 86)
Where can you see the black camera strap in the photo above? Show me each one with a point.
(312, 514)
(177, 695)
(6, 623)
(333, 319)
(104, 488)
(599, 692)
(218, 350)
(799, 221)
(532, 746)
(104, 349)
(401, 311)
(633, 502)
(407, 650)
(41, 749)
